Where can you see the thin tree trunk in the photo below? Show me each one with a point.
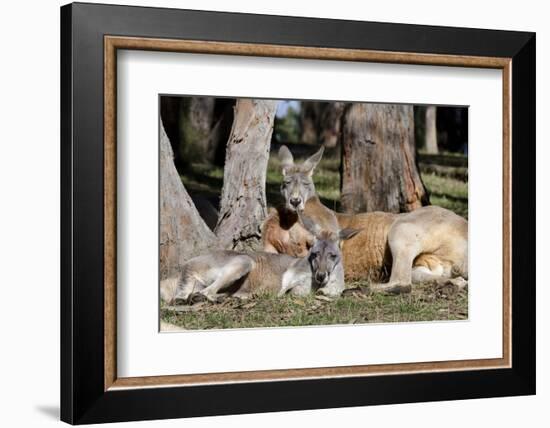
(430, 133)
(310, 113)
(330, 123)
(379, 171)
(221, 129)
(321, 122)
(196, 122)
(183, 233)
(243, 200)
(201, 113)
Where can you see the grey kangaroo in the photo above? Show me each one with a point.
(223, 272)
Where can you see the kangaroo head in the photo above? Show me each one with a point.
(325, 254)
(297, 186)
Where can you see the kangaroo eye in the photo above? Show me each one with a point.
(314, 255)
(333, 257)
(306, 183)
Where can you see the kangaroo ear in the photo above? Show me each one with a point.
(345, 234)
(286, 158)
(309, 224)
(311, 162)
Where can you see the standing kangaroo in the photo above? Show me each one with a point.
(429, 244)
(244, 274)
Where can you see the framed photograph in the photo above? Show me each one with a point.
(266, 213)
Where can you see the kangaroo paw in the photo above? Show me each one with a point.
(450, 287)
(399, 289)
(392, 288)
(241, 295)
(328, 292)
(214, 298)
(196, 298)
(460, 282)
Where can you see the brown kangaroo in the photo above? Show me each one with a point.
(429, 244)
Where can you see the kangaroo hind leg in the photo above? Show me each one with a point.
(232, 271)
(401, 274)
(405, 247)
(186, 288)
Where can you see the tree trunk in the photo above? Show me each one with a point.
(170, 112)
(379, 171)
(196, 122)
(310, 113)
(321, 122)
(243, 200)
(183, 233)
(221, 129)
(430, 134)
(197, 127)
(330, 123)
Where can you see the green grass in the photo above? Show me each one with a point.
(447, 192)
(425, 303)
(445, 180)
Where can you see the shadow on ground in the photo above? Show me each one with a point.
(50, 411)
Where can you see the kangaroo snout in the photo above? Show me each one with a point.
(295, 202)
(321, 277)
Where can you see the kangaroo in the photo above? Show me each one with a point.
(281, 231)
(243, 274)
(325, 256)
(429, 244)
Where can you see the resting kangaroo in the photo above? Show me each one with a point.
(429, 244)
(247, 273)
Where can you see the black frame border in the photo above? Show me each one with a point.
(83, 399)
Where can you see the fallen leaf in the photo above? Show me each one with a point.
(249, 305)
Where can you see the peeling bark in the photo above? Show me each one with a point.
(243, 201)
